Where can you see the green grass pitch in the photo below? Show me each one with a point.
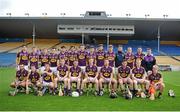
(84, 103)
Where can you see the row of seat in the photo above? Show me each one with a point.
(47, 43)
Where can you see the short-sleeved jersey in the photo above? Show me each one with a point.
(138, 72)
(154, 78)
(21, 74)
(111, 58)
(106, 71)
(64, 55)
(34, 77)
(23, 57)
(44, 59)
(48, 77)
(100, 55)
(75, 71)
(62, 70)
(139, 56)
(124, 71)
(34, 57)
(91, 56)
(72, 56)
(81, 55)
(130, 59)
(91, 71)
(53, 57)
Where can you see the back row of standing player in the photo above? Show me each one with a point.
(39, 58)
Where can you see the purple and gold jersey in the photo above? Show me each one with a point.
(34, 77)
(72, 57)
(81, 55)
(44, 59)
(34, 57)
(130, 60)
(91, 56)
(111, 58)
(124, 71)
(21, 74)
(53, 59)
(47, 77)
(91, 71)
(23, 57)
(64, 55)
(75, 71)
(62, 70)
(139, 56)
(154, 78)
(106, 71)
(138, 72)
(100, 55)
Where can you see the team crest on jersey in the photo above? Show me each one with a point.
(110, 58)
(139, 58)
(53, 60)
(33, 79)
(155, 81)
(106, 74)
(62, 73)
(138, 75)
(33, 59)
(75, 74)
(44, 60)
(71, 58)
(90, 73)
(47, 77)
(24, 57)
(21, 78)
(100, 57)
(130, 60)
(124, 75)
(81, 56)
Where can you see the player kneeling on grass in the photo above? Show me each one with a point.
(139, 77)
(106, 76)
(47, 80)
(156, 81)
(74, 76)
(62, 74)
(33, 80)
(20, 81)
(91, 75)
(124, 77)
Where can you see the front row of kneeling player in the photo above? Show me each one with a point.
(125, 76)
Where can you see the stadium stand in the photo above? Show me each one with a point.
(177, 57)
(8, 46)
(7, 59)
(167, 61)
(170, 43)
(171, 50)
(40, 43)
(67, 45)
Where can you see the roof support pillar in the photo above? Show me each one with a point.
(158, 37)
(107, 44)
(82, 40)
(34, 34)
